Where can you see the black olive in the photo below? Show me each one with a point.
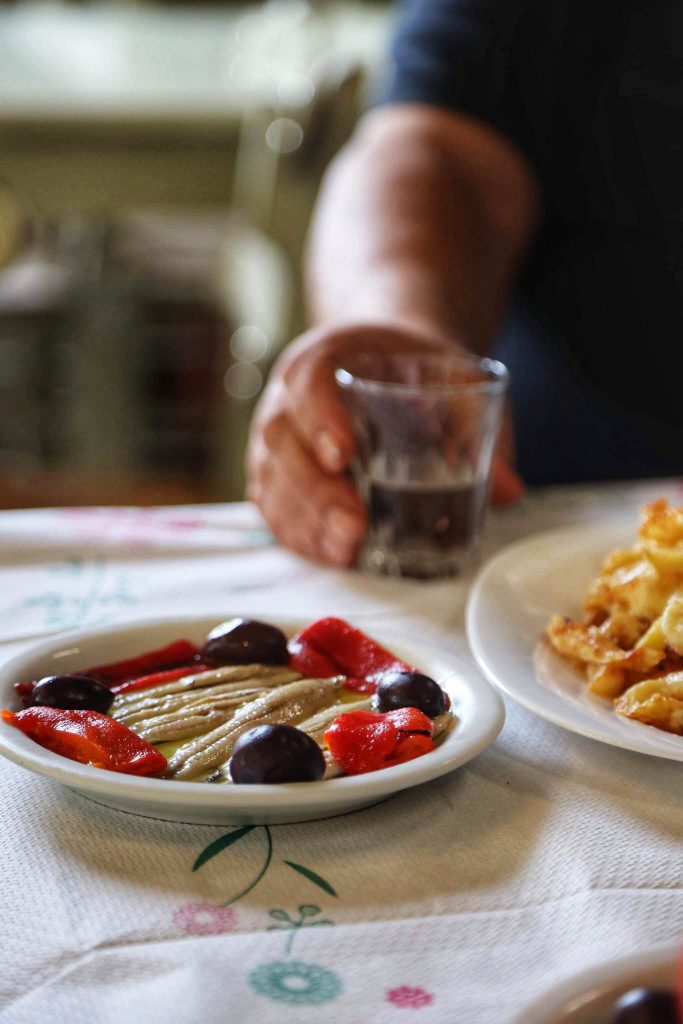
(243, 641)
(410, 690)
(646, 1006)
(276, 753)
(72, 693)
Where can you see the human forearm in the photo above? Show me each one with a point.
(422, 221)
(420, 229)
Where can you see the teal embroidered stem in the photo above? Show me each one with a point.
(290, 939)
(287, 923)
(88, 601)
(266, 865)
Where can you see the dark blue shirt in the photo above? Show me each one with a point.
(591, 92)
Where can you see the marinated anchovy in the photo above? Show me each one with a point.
(233, 693)
(182, 728)
(230, 673)
(289, 704)
(320, 722)
(211, 712)
(442, 724)
(315, 727)
(258, 676)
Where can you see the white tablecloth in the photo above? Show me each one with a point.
(455, 901)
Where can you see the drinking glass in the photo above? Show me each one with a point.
(426, 427)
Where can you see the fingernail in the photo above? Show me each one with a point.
(336, 552)
(330, 451)
(344, 526)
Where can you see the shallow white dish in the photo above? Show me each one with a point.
(478, 707)
(510, 604)
(589, 997)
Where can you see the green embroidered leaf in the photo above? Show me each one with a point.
(221, 844)
(279, 915)
(312, 877)
(308, 909)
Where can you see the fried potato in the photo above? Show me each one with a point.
(661, 537)
(672, 622)
(660, 710)
(631, 584)
(630, 645)
(670, 685)
(606, 680)
(594, 645)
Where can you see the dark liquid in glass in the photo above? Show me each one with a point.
(421, 530)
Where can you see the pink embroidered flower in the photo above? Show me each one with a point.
(205, 919)
(137, 527)
(414, 998)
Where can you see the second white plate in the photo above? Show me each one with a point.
(510, 605)
(590, 996)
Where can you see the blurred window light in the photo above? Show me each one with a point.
(249, 344)
(284, 135)
(296, 89)
(249, 71)
(255, 32)
(243, 381)
(289, 12)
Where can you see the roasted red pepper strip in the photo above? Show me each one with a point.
(361, 741)
(349, 651)
(157, 678)
(89, 737)
(407, 749)
(411, 720)
(174, 655)
(305, 659)
(364, 741)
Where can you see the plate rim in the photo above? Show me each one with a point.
(90, 780)
(600, 976)
(615, 532)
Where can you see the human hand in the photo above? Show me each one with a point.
(302, 442)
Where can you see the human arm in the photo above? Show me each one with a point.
(420, 229)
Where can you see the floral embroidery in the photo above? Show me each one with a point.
(230, 838)
(290, 982)
(406, 996)
(205, 919)
(295, 983)
(292, 925)
(94, 593)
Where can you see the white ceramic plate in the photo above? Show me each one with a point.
(478, 707)
(509, 607)
(589, 997)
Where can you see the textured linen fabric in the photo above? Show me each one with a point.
(455, 901)
(590, 93)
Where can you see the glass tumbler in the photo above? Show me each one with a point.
(426, 426)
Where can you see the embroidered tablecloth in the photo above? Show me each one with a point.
(459, 900)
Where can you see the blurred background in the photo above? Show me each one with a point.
(159, 162)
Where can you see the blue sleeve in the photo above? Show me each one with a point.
(498, 61)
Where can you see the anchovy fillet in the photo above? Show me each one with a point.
(231, 693)
(443, 723)
(316, 726)
(287, 704)
(228, 673)
(184, 728)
